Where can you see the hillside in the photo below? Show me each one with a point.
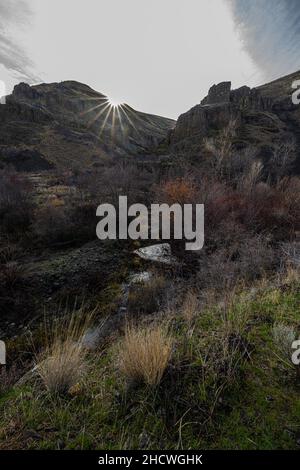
(68, 124)
(265, 119)
(228, 386)
(124, 344)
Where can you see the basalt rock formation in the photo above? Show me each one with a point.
(68, 123)
(265, 118)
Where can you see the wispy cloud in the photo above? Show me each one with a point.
(14, 14)
(270, 31)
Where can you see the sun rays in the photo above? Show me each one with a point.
(114, 103)
(111, 113)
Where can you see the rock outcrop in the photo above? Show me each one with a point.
(218, 94)
(70, 124)
(265, 117)
(66, 124)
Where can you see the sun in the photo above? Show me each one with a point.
(114, 103)
(113, 111)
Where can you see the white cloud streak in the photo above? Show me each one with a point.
(14, 14)
(270, 31)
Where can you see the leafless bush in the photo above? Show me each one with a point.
(9, 252)
(73, 221)
(256, 257)
(291, 252)
(240, 164)
(221, 150)
(11, 274)
(250, 180)
(247, 260)
(113, 181)
(16, 208)
(52, 224)
(274, 209)
(283, 159)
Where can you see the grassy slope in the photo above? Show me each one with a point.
(202, 402)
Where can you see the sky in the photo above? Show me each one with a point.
(159, 56)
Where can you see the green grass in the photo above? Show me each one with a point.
(200, 403)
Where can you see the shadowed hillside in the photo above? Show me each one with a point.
(68, 123)
(265, 119)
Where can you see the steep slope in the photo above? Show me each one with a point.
(266, 118)
(68, 123)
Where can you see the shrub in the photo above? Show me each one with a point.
(220, 149)
(113, 180)
(11, 274)
(246, 259)
(73, 221)
(252, 177)
(291, 252)
(283, 159)
(178, 190)
(274, 210)
(53, 225)
(145, 354)
(16, 207)
(9, 252)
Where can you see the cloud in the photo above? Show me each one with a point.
(270, 31)
(14, 14)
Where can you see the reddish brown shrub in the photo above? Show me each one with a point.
(178, 190)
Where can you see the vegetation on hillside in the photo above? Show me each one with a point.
(217, 379)
(197, 355)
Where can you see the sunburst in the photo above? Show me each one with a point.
(112, 110)
(114, 103)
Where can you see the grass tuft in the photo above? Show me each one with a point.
(64, 361)
(145, 354)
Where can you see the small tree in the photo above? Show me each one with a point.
(221, 149)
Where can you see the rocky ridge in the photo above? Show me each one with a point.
(68, 123)
(265, 117)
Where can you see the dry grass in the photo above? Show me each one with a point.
(292, 276)
(284, 336)
(190, 307)
(145, 354)
(63, 363)
(63, 367)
